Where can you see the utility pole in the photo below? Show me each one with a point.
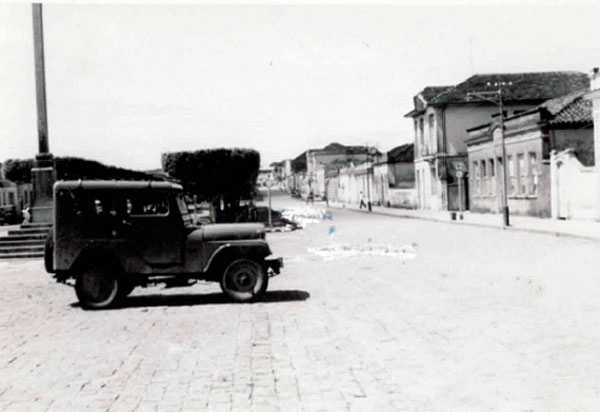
(368, 178)
(269, 183)
(43, 174)
(505, 211)
(496, 97)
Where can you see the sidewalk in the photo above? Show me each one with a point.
(584, 229)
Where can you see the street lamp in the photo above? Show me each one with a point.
(496, 97)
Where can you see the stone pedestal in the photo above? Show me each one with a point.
(43, 176)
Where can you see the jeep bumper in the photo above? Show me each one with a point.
(273, 265)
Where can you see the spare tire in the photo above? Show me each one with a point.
(49, 252)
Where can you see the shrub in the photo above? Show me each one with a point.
(73, 168)
(211, 175)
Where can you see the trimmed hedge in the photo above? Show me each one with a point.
(214, 174)
(73, 168)
(18, 170)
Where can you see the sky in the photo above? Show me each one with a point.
(126, 83)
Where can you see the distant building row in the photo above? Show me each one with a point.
(347, 173)
(546, 136)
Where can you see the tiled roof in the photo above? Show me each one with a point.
(338, 148)
(430, 92)
(299, 163)
(425, 96)
(577, 112)
(525, 86)
(554, 106)
(6, 183)
(404, 153)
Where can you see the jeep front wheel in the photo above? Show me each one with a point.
(97, 287)
(244, 280)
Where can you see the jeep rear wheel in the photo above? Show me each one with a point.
(244, 280)
(97, 287)
(49, 253)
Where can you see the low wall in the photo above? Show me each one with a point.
(579, 181)
(403, 198)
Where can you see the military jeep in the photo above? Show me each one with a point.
(109, 237)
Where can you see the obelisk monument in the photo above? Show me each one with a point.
(43, 175)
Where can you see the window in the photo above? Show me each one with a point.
(148, 206)
(476, 174)
(431, 130)
(512, 178)
(522, 174)
(492, 175)
(483, 178)
(417, 134)
(421, 136)
(533, 174)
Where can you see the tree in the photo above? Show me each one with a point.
(230, 173)
(73, 168)
(216, 175)
(18, 171)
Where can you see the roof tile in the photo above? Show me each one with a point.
(524, 87)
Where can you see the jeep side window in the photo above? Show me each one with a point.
(148, 206)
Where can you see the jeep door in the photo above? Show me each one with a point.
(156, 229)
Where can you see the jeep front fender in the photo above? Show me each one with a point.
(228, 252)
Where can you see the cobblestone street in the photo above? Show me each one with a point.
(478, 320)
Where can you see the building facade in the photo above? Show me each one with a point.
(394, 178)
(442, 115)
(312, 169)
(530, 139)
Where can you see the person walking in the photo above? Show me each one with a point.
(310, 198)
(362, 201)
(26, 214)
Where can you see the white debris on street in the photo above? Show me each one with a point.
(304, 216)
(342, 251)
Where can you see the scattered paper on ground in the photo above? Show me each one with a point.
(306, 215)
(341, 251)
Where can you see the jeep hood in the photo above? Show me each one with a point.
(232, 231)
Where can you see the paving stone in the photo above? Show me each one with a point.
(440, 332)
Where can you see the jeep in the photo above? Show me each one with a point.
(109, 237)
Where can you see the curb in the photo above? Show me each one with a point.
(474, 224)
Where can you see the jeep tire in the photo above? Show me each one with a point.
(49, 253)
(244, 280)
(97, 286)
